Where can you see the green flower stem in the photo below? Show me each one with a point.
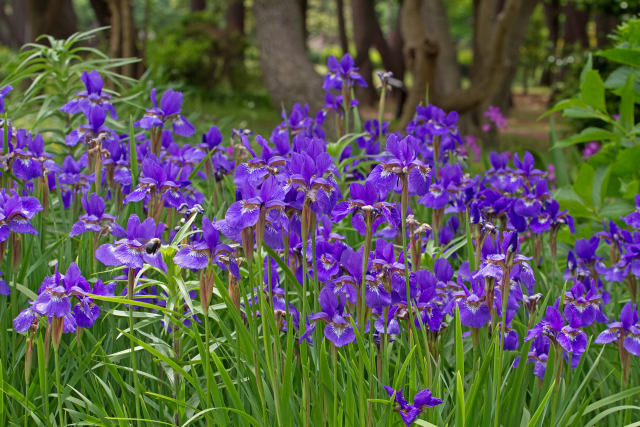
(58, 386)
(131, 278)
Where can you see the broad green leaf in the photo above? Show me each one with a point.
(569, 199)
(592, 90)
(600, 184)
(626, 56)
(627, 103)
(587, 135)
(617, 209)
(583, 185)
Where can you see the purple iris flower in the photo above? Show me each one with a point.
(307, 176)
(3, 94)
(343, 73)
(583, 305)
(73, 180)
(96, 116)
(401, 161)
(157, 180)
(338, 327)
(525, 168)
(92, 96)
(269, 199)
(633, 219)
(55, 299)
(169, 110)
(94, 219)
(30, 160)
(538, 354)
(16, 213)
(572, 340)
(207, 249)
(626, 330)
(365, 201)
(4, 288)
(472, 304)
(255, 170)
(134, 251)
(410, 412)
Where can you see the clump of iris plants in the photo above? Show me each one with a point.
(301, 277)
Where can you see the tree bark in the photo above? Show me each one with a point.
(53, 17)
(552, 13)
(342, 27)
(14, 29)
(198, 5)
(447, 68)
(605, 24)
(421, 53)
(575, 25)
(517, 34)
(366, 34)
(118, 15)
(304, 7)
(288, 74)
(234, 40)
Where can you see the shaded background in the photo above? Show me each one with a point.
(245, 59)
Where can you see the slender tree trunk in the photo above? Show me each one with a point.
(575, 25)
(552, 13)
(235, 41)
(53, 17)
(342, 27)
(605, 24)
(288, 73)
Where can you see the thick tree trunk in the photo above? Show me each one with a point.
(304, 7)
(447, 77)
(421, 53)
(14, 28)
(197, 5)
(287, 72)
(53, 17)
(342, 27)
(502, 96)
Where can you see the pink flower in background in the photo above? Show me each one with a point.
(590, 149)
(494, 115)
(551, 174)
(486, 127)
(472, 145)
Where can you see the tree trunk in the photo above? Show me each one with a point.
(605, 24)
(421, 54)
(118, 14)
(502, 97)
(235, 42)
(366, 34)
(14, 28)
(552, 13)
(288, 74)
(198, 5)
(304, 7)
(53, 17)
(447, 68)
(342, 27)
(575, 26)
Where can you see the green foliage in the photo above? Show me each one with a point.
(605, 184)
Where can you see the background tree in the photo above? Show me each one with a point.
(54, 17)
(288, 73)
